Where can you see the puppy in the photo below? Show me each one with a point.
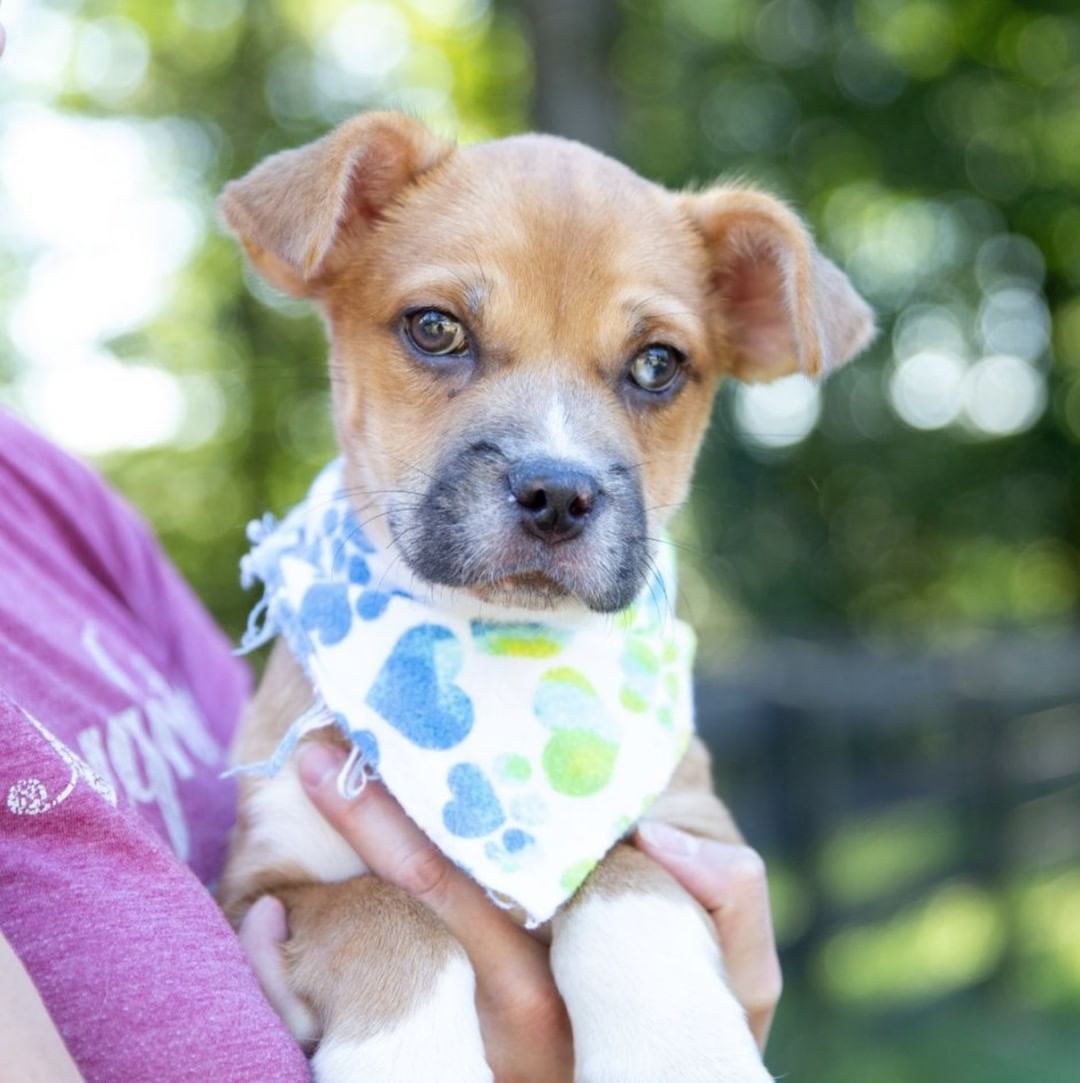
(526, 301)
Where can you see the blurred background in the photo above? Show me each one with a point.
(885, 570)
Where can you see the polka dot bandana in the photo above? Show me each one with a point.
(524, 748)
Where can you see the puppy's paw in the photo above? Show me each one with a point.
(438, 1039)
(643, 982)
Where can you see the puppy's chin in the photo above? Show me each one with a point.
(545, 591)
(529, 591)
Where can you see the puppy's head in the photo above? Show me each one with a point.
(526, 337)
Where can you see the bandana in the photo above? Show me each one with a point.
(524, 748)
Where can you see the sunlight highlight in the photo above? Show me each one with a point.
(102, 235)
(779, 414)
(99, 404)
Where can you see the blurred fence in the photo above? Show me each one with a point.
(874, 780)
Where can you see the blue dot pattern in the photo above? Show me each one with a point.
(325, 612)
(515, 839)
(473, 809)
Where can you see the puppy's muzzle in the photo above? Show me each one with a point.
(555, 500)
(529, 524)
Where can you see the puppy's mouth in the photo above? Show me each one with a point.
(529, 583)
(530, 590)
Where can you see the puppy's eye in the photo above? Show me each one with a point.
(434, 332)
(656, 368)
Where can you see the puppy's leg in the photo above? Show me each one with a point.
(378, 977)
(384, 984)
(392, 991)
(638, 965)
(637, 962)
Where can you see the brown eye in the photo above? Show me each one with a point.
(656, 368)
(435, 332)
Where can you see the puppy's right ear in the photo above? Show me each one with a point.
(296, 209)
(785, 307)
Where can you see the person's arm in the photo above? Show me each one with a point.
(30, 1045)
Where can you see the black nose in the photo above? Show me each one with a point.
(555, 499)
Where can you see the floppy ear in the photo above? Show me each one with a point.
(294, 210)
(785, 307)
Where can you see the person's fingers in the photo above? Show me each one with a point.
(730, 882)
(262, 932)
(397, 851)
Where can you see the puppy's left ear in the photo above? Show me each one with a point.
(784, 307)
(297, 210)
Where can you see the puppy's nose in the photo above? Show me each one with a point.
(555, 499)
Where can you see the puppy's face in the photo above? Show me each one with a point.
(526, 338)
(526, 371)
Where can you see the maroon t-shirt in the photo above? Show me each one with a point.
(118, 699)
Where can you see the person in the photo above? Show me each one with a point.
(118, 701)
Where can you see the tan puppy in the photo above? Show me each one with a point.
(526, 338)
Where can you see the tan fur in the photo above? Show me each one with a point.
(347, 969)
(361, 974)
(563, 263)
(298, 206)
(689, 802)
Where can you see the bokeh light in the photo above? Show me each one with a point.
(778, 414)
(927, 389)
(1003, 395)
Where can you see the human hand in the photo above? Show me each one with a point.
(526, 1030)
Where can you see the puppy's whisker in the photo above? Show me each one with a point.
(385, 514)
(682, 547)
(398, 559)
(656, 579)
(397, 458)
(357, 531)
(357, 491)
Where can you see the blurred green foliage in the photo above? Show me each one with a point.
(930, 493)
